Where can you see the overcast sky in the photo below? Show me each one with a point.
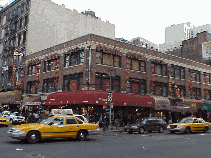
(143, 18)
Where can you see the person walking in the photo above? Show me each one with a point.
(105, 123)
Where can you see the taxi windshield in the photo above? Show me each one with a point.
(45, 121)
(186, 121)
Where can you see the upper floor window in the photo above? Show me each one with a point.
(31, 88)
(74, 58)
(195, 75)
(50, 65)
(160, 68)
(108, 59)
(49, 85)
(33, 69)
(177, 71)
(139, 65)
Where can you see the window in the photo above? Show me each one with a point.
(158, 69)
(58, 121)
(50, 65)
(201, 121)
(98, 58)
(70, 120)
(107, 60)
(102, 82)
(31, 88)
(177, 72)
(160, 89)
(74, 58)
(79, 120)
(32, 69)
(73, 82)
(142, 66)
(26, 20)
(49, 86)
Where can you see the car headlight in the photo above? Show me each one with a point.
(17, 130)
(134, 126)
(168, 126)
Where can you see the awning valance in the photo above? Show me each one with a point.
(161, 103)
(99, 98)
(208, 106)
(32, 101)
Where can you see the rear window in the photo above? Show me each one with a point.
(70, 120)
(80, 117)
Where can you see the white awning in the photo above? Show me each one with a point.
(161, 103)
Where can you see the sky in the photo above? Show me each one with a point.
(143, 18)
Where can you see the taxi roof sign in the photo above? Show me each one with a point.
(61, 112)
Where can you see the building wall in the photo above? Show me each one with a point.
(85, 42)
(51, 24)
(177, 32)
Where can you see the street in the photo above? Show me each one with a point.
(112, 144)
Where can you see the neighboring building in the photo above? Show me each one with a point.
(144, 43)
(176, 34)
(84, 64)
(27, 26)
(195, 49)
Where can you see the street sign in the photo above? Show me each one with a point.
(109, 98)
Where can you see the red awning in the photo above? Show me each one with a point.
(99, 98)
(32, 101)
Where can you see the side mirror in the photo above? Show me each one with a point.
(51, 123)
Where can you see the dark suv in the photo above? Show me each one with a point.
(148, 124)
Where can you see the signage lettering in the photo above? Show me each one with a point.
(108, 50)
(135, 56)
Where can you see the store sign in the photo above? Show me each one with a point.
(33, 103)
(108, 50)
(135, 56)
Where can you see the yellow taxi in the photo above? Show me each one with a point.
(189, 124)
(4, 121)
(55, 126)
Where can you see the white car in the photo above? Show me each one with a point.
(15, 118)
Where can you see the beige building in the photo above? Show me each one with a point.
(28, 26)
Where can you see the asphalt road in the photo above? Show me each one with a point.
(112, 145)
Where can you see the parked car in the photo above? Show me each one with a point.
(148, 124)
(4, 121)
(15, 118)
(56, 126)
(188, 125)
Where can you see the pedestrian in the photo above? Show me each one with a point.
(116, 122)
(105, 123)
(101, 121)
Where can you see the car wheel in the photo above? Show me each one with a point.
(32, 137)
(130, 131)
(81, 136)
(205, 130)
(141, 130)
(160, 129)
(187, 130)
(172, 132)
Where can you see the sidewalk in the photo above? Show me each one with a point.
(113, 129)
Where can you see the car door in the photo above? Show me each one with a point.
(195, 125)
(156, 124)
(71, 127)
(149, 125)
(201, 124)
(53, 128)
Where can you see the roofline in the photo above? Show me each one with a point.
(10, 5)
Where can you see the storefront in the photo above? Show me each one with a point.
(95, 103)
(181, 108)
(162, 107)
(31, 104)
(11, 100)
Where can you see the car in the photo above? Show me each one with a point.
(4, 121)
(15, 118)
(188, 125)
(57, 111)
(148, 124)
(56, 126)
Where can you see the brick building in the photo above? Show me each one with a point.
(175, 83)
